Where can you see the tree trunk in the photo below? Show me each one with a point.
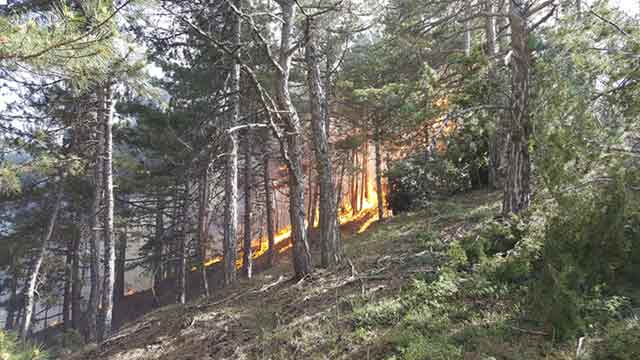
(231, 166)
(331, 244)
(109, 244)
(364, 188)
(182, 248)
(269, 208)
(328, 81)
(9, 323)
(467, 28)
(95, 220)
(517, 190)
(378, 151)
(121, 258)
(301, 254)
(579, 9)
(66, 297)
(158, 246)
(355, 177)
(495, 136)
(341, 181)
(32, 281)
(76, 284)
(203, 231)
(247, 261)
(19, 315)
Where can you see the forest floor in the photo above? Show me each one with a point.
(379, 305)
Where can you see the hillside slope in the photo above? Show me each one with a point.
(356, 312)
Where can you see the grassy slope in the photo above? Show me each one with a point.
(391, 301)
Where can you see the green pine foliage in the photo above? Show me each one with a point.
(13, 349)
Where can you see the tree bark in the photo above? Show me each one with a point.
(182, 242)
(495, 137)
(66, 297)
(95, 220)
(158, 246)
(32, 281)
(301, 254)
(355, 166)
(378, 151)
(247, 261)
(121, 258)
(579, 9)
(76, 284)
(517, 190)
(268, 191)
(231, 166)
(331, 244)
(13, 300)
(109, 244)
(467, 28)
(203, 231)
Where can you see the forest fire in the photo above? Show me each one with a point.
(365, 209)
(368, 209)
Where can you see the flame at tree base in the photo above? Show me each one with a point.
(364, 213)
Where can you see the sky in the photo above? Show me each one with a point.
(630, 6)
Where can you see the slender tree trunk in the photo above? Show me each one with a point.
(182, 248)
(467, 28)
(158, 246)
(517, 190)
(378, 150)
(174, 240)
(13, 300)
(328, 81)
(339, 185)
(46, 317)
(364, 191)
(247, 263)
(495, 137)
(66, 297)
(315, 206)
(268, 193)
(109, 244)
(331, 244)
(579, 9)
(19, 314)
(203, 231)
(121, 259)
(76, 284)
(32, 281)
(301, 254)
(231, 168)
(95, 220)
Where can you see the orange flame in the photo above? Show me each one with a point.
(368, 212)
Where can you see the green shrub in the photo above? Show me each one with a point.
(457, 256)
(492, 237)
(13, 349)
(385, 312)
(417, 179)
(621, 342)
(413, 345)
(428, 240)
(584, 256)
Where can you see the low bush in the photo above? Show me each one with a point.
(621, 342)
(12, 348)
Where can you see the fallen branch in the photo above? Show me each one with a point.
(266, 288)
(531, 332)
